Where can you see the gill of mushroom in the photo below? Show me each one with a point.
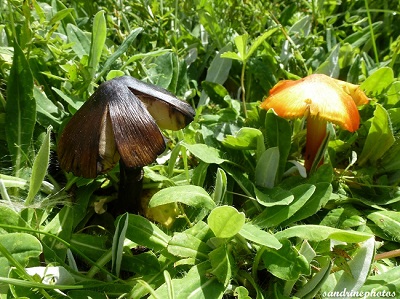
(121, 121)
(320, 99)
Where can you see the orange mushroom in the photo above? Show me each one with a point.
(320, 99)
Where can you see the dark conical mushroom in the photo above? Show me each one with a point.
(121, 121)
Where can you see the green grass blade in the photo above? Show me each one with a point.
(98, 41)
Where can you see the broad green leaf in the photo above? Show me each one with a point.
(162, 73)
(22, 247)
(311, 288)
(319, 233)
(168, 283)
(331, 66)
(359, 38)
(195, 284)
(259, 40)
(218, 71)
(186, 245)
(387, 281)
(389, 222)
(393, 94)
(187, 194)
(54, 275)
(285, 263)
(242, 180)
(99, 35)
(200, 230)
(319, 198)
(39, 168)
(274, 197)
(47, 112)
(279, 134)
(121, 50)
(380, 80)
(380, 137)
(344, 217)
(223, 264)
(259, 236)
(225, 221)
(92, 246)
(143, 232)
(245, 138)
(241, 293)
(267, 167)
(143, 264)
(205, 153)
(20, 110)
(118, 243)
(216, 92)
(231, 55)
(241, 45)
(80, 41)
(60, 226)
(273, 216)
(60, 15)
(220, 188)
(360, 267)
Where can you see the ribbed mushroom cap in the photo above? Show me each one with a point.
(318, 96)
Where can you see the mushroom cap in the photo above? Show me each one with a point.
(318, 96)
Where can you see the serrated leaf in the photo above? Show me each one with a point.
(225, 221)
(190, 195)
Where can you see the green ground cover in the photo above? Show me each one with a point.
(228, 210)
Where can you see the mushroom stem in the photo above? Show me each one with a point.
(130, 190)
(316, 133)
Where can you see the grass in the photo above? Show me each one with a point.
(226, 211)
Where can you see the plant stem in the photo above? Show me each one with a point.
(243, 89)
(386, 255)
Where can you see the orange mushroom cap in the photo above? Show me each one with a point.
(318, 96)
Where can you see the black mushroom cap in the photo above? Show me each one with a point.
(122, 119)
